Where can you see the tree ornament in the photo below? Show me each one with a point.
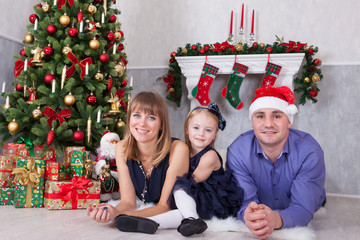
(46, 7)
(184, 51)
(64, 20)
(7, 104)
(173, 54)
(37, 113)
(120, 47)
(99, 76)
(307, 79)
(91, 99)
(48, 51)
(201, 91)
(171, 92)
(69, 99)
(38, 54)
(94, 44)
(32, 18)
(19, 88)
(22, 52)
(110, 37)
(269, 49)
(78, 135)
(313, 93)
(13, 126)
(118, 36)
(262, 45)
(29, 38)
(73, 32)
(88, 129)
(104, 58)
(112, 19)
(124, 83)
(33, 95)
(91, 9)
(39, 5)
(48, 78)
(315, 77)
(119, 124)
(239, 47)
(50, 137)
(51, 29)
(66, 50)
(115, 104)
(80, 16)
(109, 85)
(119, 68)
(317, 62)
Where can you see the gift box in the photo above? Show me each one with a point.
(7, 196)
(75, 194)
(56, 171)
(30, 180)
(7, 165)
(68, 150)
(77, 161)
(28, 150)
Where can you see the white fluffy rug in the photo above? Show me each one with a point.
(233, 225)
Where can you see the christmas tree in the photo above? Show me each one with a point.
(71, 84)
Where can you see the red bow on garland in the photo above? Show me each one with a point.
(19, 66)
(75, 61)
(62, 2)
(69, 191)
(169, 80)
(293, 46)
(65, 113)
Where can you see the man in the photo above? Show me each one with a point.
(281, 170)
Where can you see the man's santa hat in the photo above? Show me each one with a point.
(280, 98)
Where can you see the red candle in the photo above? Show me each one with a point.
(242, 16)
(231, 23)
(252, 23)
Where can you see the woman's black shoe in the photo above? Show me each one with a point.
(191, 226)
(128, 223)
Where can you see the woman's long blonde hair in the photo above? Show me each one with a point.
(150, 103)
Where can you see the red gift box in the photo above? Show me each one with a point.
(56, 171)
(20, 149)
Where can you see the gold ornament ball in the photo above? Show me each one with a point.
(239, 47)
(13, 126)
(91, 9)
(315, 78)
(307, 79)
(66, 50)
(117, 36)
(262, 45)
(184, 51)
(94, 44)
(29, 38)
(119, 124)
(46, 7)
(69, 99)
(99, 76)
(37, 113)
(64, 20)
(119, 68)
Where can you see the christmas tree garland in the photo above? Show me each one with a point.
(306, 85)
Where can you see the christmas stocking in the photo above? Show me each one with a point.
(201, 91)
(232, 88)
(271, 73)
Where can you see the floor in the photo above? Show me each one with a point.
(339, 219)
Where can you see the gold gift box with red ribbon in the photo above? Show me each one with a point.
(7, 165)
(79, 193)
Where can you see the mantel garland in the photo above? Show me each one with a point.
(306, 84)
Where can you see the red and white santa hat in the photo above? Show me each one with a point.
(280, 98)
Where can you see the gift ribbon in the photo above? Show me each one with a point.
(85, 196)
(30, 178)
(65, 113)
(29, 145)
(69, 191)
(81, 64)
(19, 67)
(65, 171)
(62, 2)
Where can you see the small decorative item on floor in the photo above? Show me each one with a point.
(7, 196)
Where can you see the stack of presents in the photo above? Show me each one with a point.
(30, 181)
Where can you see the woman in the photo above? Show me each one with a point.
(148, 162)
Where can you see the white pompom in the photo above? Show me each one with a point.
(292, 109)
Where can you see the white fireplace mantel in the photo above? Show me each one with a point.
(191, 67)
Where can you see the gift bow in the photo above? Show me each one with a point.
(62, 2)
(31, 176)
(69, 191)
(81, 64)
(19, 66)
(54, 115)
(29, 145)
(65, 170)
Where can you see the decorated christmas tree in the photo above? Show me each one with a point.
(71, 84)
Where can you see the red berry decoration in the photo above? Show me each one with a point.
(78, 136)
(120, 47)
(48, 51)
(51, 29)
(193, 47)
(73, 32)
(313, 93)
(48, 78)
(22, 52)
(112, 19)
(32, 18)
(124, 83)
(91, 99)
(50, 137)
(104, 58)
(202, 51)
(317, 62)
(19, 88)
(269, 49)
(110, 37)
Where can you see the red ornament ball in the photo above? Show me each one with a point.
(78, 136)
(206, 47)
(97, 0)
(255, 44)
(19, 88)
(173, 54)
(22, 52)
(202, 51)
(51, 29)
(104, 58)
(91, 99)
(313, 93)
(124, 83)
(193, 47)
(317, 62)
(48, 78)
(171, 60)
(48, 51)
(73, 32)
(112, 19)
(122, 33)
(32, 18)
(39, 5)
(110, 37)
(269, 49)
(120, 47)
(50, 137)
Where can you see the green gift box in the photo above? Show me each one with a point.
(6, 196)
(77, 160)
(30, 181)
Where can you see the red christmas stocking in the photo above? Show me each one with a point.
(201, 91)
(232, 88)
(271, 73)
